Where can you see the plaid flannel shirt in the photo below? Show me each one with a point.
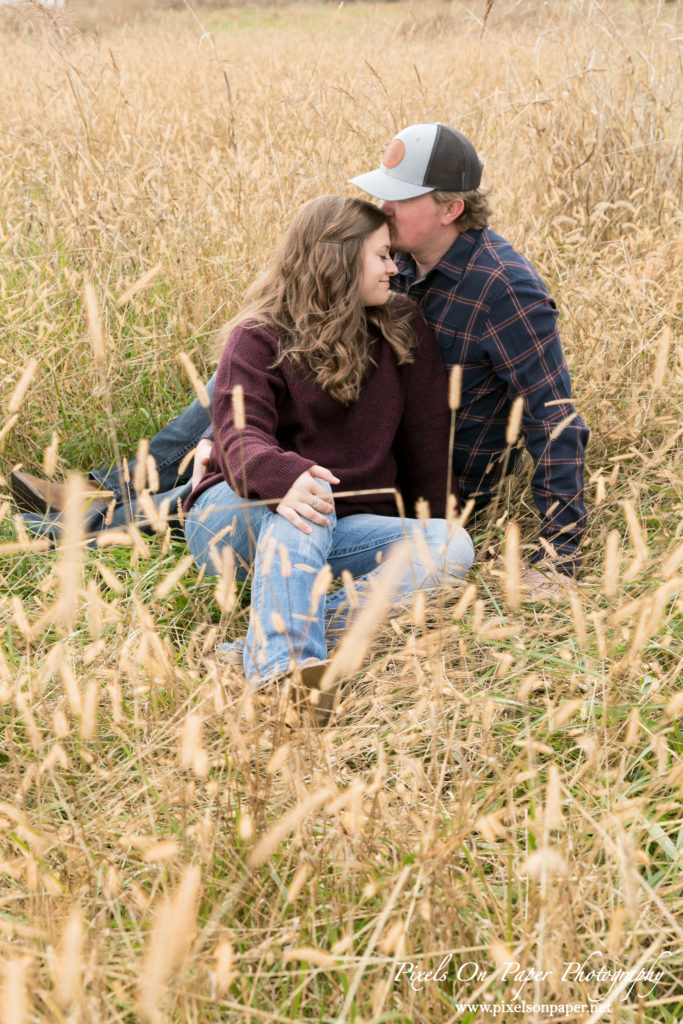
(492, 315)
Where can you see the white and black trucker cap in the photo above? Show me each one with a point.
(421, 158)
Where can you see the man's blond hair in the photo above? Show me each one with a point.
(477, 212)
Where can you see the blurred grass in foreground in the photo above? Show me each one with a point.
(503, 780)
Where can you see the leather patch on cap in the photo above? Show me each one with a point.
(394, 153)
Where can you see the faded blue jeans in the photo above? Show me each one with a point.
(168, 448)
(288, 618)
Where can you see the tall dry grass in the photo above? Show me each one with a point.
(503, 780)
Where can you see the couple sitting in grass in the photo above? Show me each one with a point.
(331, 394)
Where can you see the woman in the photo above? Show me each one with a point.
(344, 387)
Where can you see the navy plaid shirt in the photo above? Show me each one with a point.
(492, 315)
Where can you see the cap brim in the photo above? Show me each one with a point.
(383, 186)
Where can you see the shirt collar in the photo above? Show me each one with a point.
(452, 263)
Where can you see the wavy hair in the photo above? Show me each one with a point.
(310, 294)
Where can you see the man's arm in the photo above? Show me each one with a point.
(523, 343)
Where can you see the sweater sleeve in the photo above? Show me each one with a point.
(421, 444)
(252, 461)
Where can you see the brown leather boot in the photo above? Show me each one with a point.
(37, 495)
(319, 703)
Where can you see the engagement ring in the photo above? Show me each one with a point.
(315, 502)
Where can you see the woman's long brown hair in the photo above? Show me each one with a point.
(310, 294)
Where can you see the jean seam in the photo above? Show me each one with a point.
(178, 454)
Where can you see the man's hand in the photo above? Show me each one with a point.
(307, 500)
(538, 583)
(201, 457)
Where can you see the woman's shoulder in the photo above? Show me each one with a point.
(250, 340)
(249, 345)
(409, 310)
(252, 331)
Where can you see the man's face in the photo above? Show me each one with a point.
(415, 225)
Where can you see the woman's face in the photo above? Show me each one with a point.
(377, 268)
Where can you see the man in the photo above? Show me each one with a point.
(492, 316)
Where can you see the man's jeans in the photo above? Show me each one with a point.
(168, 448)
(288, 616)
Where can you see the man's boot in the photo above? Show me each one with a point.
(43, 496)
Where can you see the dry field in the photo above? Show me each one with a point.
(503, 781)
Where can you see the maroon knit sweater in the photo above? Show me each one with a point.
(394, 435)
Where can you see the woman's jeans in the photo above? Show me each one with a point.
(288, 616)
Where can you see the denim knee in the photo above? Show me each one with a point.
(199, 537)
(316, 544)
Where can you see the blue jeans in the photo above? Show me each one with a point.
(288, 615)
(168, 448)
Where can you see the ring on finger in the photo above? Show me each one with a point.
(315, 502)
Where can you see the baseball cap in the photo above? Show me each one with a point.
(421, 158)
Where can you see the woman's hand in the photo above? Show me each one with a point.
(307, 500)
(201, 457)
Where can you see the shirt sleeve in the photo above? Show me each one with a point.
(251, 460)
(523, 343)
(421, 443)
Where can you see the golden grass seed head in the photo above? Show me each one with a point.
(610, 581)
(455, 387)
(51, 455)
(195, 379)
(224, 966)
(15, 998)
(70, 963)
(238, 413)
(21, 389)
(514, 420)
